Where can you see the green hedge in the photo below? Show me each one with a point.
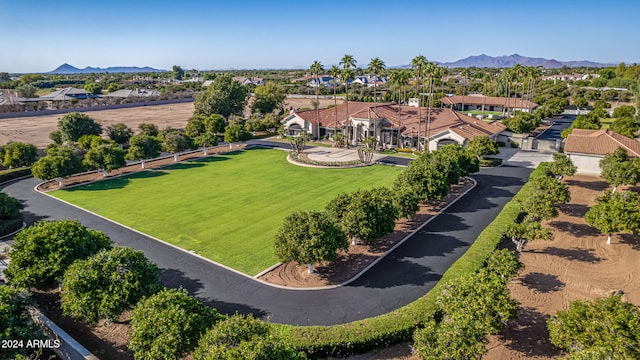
(398, 326)
(10, 174)
(7, 226)
(490, 162)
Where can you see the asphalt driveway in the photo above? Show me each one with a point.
(405, 275)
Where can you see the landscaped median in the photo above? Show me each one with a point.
(398, 326)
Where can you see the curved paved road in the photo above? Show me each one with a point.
(403, 276)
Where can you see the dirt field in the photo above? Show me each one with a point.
(35, 130)
(576, 264)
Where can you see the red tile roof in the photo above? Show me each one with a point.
(406, 118)
(599, 142)
(489, 101)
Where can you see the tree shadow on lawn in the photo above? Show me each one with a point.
(209, 159)
(577, 230)
(117, 183)
(577, 254)
(591, 185)
(542, 283)
(575, 210)
(529, 336)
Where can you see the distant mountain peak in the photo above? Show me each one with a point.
(70, 69)
(507, 61)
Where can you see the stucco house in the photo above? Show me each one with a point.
(587, 147)
(488, 103)
(391, 124)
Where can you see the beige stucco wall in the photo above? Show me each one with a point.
(586, 164)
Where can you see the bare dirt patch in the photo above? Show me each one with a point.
(35, 130)
(576, 264)
(351, 262)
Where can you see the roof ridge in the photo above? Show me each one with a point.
(610, 134)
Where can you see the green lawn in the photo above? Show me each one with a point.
(606, 123)
(226, 208)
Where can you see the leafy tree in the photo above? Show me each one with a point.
(267, 98)
(105, 157)
(203, 129)
(236, 133)
(59, 162)
(467, 162)
(580, 102)
(26, 90)
(298, 142)
(15, 320)
(143, 147)
(178, 72)
(626, 126)
(307, 238)
(93, 88)
(243, 337)
(522, 122)
(364, 214)
(73, 125)
(148, 129)
(426, 180)
(120, 133)
(56, 137)
(30, 78)
(615, 212)
(545, 193)
(605, 325)
(17, 154)
(624, 111)
(589, 122)
(617, 168)
(224, 96)
(10, 214)
(176, 142)
(481, 146)
(42, 252)
(559, 167)
(86, 142)
(108, 283)
(406, 201)
(167, 325)
(526, 230)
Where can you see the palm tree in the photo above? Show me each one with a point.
(431, 70)
(417, 63)
(347, 62)
(399, 78)
(376, 66)
(440, 74)
(335, 72)
(315, 69)
(484, 77)
(465, 75)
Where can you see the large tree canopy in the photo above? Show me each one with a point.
(73, 125)
(606, 326)
(10, 214)
(620, 169)
(16, 154)
(15, 321)
(224, 96)
(308, 237)
(108, 283)
(267, 98)
(168, 325)
(59, 162)
(42, 252)
(615, 212)
(105, 157)
(120, 132)
(143, 146)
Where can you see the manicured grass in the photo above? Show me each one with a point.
(606, 122)
(399, 154)
(226, 208)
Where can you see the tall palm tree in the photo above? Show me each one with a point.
(418, 63)
(440, 74)
(399, 78)
(465, 75)
(347, 62)
(484, 77)
(376, 66)
(315, 69)
(334, 71)
(430, 70)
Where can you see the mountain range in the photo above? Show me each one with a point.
(70, 69)
(507, 61)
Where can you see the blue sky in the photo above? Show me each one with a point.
(38, 36)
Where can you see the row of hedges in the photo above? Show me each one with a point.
(490, 162)
(398, 326)
(11, 174)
